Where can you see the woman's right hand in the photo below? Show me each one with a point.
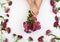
(34, 10)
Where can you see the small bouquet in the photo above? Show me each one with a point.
(31, 24)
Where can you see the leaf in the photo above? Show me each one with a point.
(30, 22)
(56, 0)
(3, 4)
(57, 38)
(59, 8)
(2, 17)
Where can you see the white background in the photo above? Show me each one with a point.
(18, 14)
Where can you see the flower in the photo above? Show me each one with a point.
(56, 18)
(7, 15)
(30, 39)
(19, 37)
(48, 32)
(7, 10)
(27, 31)
(52, 3)
(54, 11)
(14, 35)
(56, 24)
(34, 18)
(52, 40)
(36, 26)
(8, 30)
(10, 3)
(4, 24)
(6, 40)
(6, 20)
(25, 25)
(40, 39)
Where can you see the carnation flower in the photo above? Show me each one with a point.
(56, 24)
(54, 11)
(10, 3)
(19, 37)
(30, 39)
(52, 40)
(7, 15)
(52, 3)
(6, 40)
(8, 30)
(7, 10)
(56, 18)
(48, 32)
(40, 39)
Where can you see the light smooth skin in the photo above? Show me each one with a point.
(34, 6)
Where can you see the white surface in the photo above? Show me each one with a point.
(18, 14)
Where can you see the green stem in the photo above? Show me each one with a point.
(52, 35)
(17, 40)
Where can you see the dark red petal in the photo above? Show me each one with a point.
(54, 11)
(40, 38)
(48, 32)
(4, 25)
(56, 24)
(56, 18)
(30, 38)
(20, 36)
(7, 15)
(8, 30)
(6, 40)
(7, 10)
(6, 20)
(10, 3)
(14, 35)
(52, 40)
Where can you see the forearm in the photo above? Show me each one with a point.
(38, 3)
(30, 2)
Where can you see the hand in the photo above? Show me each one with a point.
(34, 10)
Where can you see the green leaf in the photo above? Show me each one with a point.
(30, 22)
(2, 17)
(3, 4)
(59, 8)
(56, 0)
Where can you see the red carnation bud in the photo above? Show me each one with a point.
(40, 39)
(27, 31)
(2, 28)
(56, 18)
(6, 40)
(8, 30)
(10, 3)
(54, 11)
(20, 37)
(7, 10)
(30, 39)
(48, 32)
(6, 20)
(52, 40)
(4, 24)
(52, 3)
(7, 15)
(56, 24)
(14, 35)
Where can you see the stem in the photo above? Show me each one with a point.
(52, 35)
(1, 33)
(17, 40)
